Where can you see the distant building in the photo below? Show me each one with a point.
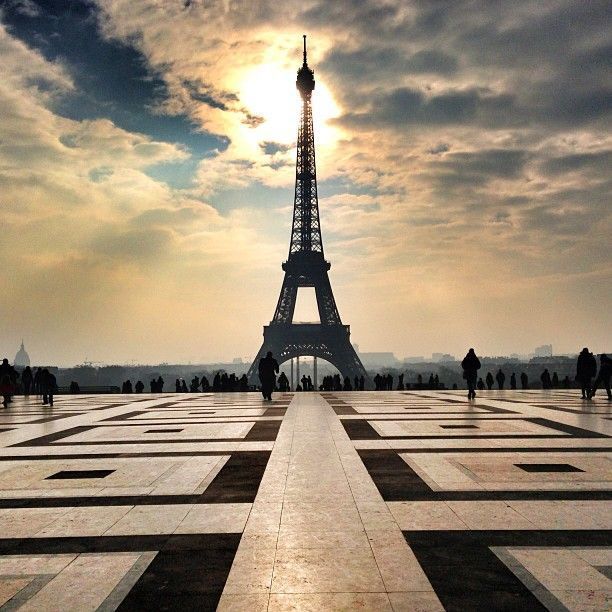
(22, 359)
(387, 360)
(543, 351)
(237, 360)
(442, 357)
(418, 359)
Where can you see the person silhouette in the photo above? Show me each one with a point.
(500, 377)
(153, 385)
(177, 385)
(37, 377)
(347, 384)
(471, 365)
(555, 380)
(267, 370)
(400, 382)
(6, 389)
(26, 380)
(603, 378)
(545, 378)
(524, 381)
(420, 380)
(480, 385)
(128, 386)
(566, 382)
(205, 384)
(139, 387)
(513, 381)
(586, 368)
(489, 380)
(184, 387)
(48, 384)
(160, 384)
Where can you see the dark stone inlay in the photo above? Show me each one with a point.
(263, 431)
(58, 435)
(238, 480)
(188, 573)
(359, 429)
(606, 570)
(467, 575)
(125, 416)
(548, 467)
(344, 410)
(459, 426)
(393, 477)
(163, 430)
(577, 432)
(77, 474)
(275, 412)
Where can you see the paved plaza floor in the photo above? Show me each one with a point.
(415, 500)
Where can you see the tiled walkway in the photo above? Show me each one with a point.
(370, 501)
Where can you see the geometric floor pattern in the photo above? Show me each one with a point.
(415, 500)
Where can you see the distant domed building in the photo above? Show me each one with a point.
(22, 359)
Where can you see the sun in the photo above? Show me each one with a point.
(268, 91)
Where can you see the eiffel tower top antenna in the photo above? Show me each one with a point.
(305, 60)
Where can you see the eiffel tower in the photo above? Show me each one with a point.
(306, 267)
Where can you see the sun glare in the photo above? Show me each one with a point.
(268, 91)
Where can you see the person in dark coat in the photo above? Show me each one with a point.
(471, 365)
(26, 380)
(160, 384)
(267, 369)
(6, 389)
(48, 387)
(513, 381)
(555, 381)
(139, 387)
(546, 380)
(489, 380)
(603, 378)
(586, 368)
(524, 381)
(500, 377)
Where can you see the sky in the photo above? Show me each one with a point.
(147, 154)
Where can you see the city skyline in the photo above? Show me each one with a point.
(147, 163)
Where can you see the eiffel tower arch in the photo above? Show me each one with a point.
(306, 267)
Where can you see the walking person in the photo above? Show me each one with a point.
(489, 380)
(524, 381)
(513, 381)
(500, 377)
(603, 378)
(6, 389)
(586, 368)
(48, 387)
(471, 365)
(267, 369)
(26, 380)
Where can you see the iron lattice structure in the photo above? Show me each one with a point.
(306, 266)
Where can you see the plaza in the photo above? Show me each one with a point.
(315, 501)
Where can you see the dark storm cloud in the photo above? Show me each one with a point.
(405, 105)
(600, 162)
(459, 170)
(376, 63)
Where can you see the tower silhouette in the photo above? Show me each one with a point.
(306, 266)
